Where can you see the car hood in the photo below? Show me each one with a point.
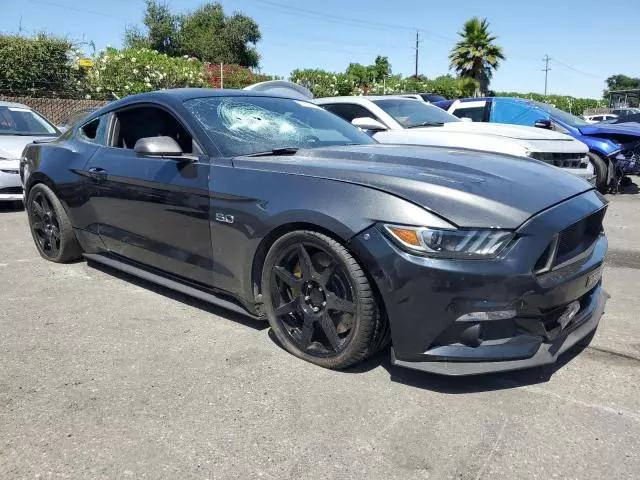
(515, 132)
(469, 188)
(611, 129)
(11, 146)
(492, 137)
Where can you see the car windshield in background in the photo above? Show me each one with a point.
(23, 121)
(413, 113)
(242, 125)
(561, 115)
(432, 97)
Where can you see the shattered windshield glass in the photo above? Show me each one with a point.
(244, 125)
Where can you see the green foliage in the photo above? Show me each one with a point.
(207, 34)
(564, 102)
(360, 80)
(323, 83)
(135, 70)
(476, 55)
(622, 82)
(39, 66)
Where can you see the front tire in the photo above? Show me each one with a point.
(602, 171)
(50, 226)
(319, 302)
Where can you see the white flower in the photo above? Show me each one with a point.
(87, 96)
(133, 59)
(135, 71)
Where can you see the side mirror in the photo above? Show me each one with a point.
(543, 123)
(368, 123)
(158, 147)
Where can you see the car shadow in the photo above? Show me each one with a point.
(629, 189)
(11, 206)
(180, 297)
(466, 384)
(405, 376)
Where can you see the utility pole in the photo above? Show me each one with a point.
(417, 50)
(546, 72)
(20, 26)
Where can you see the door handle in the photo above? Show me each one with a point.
(98, 173)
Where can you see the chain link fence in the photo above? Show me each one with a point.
(54, 109)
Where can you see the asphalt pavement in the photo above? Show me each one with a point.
(106, 376)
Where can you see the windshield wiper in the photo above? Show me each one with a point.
(427, 124)
(275, 151)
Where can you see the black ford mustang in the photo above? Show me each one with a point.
(465, 262)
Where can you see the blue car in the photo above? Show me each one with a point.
(614, 149)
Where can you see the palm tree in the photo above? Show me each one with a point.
(476, 55)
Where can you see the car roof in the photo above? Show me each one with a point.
(13, 104)
(177, 96)
(362, 98)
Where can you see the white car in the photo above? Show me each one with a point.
(19, 125)
(393, 119)
(600, 117)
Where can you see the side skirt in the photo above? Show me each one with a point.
(168, 283)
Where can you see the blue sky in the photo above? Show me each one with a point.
(586, 42)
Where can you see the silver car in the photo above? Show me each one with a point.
(19, 126)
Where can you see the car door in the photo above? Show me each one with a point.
(149, 209)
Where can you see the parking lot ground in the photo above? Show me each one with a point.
(105, 376)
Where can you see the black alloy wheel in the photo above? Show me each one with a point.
(45, 226)
(50, 227)
(319, 301)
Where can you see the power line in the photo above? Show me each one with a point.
(76, 9)
(562, 64)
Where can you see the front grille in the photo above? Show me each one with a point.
(571, 242)
(561, 160)
(11, 190)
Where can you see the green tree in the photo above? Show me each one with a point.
(622, 82)
(210, 35)
(206, 33)
(382, 68)
(476, 55)
(162, 30)
(361, 75)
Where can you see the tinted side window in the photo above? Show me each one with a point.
(474, 113)
(348, 111)
(132, 124)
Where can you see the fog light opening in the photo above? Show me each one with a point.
(486, 316)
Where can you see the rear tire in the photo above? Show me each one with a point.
(601, 170)
(319, 302)
(50, 226)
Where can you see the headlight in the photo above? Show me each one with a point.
(451, 243)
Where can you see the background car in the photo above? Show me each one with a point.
(467, 262)
(425, 97)
(611, 147)
(19, 125)
(601, 117)
(624, 111)
(391, 119)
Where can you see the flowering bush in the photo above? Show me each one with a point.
(135, 70)
(233, 76)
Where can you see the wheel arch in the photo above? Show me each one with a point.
(277, 232)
